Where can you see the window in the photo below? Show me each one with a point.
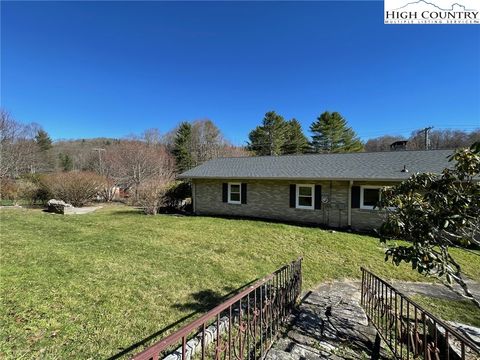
(234, 193)
(305, 197)
(369, 196)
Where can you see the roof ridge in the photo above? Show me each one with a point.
(325, 154)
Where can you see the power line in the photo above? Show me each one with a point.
(426, 131)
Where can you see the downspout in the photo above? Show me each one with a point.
(330, 202)
(349, 206)
(194, 200)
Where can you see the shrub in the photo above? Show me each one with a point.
(177, 195)
(8, 189)
(435, 213)
(42, 195)
(76, 188)
(151, 194)
(32, 189)
(27, 190)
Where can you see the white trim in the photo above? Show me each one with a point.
(292, 179)
(297, 195)
(369, 207)
(239, 193)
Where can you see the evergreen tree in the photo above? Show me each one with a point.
(43, 140)
(268, 138)
(66, 163)
(45, 157)
(295, 140)
(331, 134)
(182, 147)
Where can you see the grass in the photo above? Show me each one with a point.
(462, 311)
(4, 202)
(90, 285)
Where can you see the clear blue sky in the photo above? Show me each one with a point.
(90, 69)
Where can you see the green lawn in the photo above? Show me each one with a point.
(87, 286)
(463, 311)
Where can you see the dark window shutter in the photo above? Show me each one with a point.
(244, 193)
(318, 197)
(355, 197)
(293, 194)
(225, 192)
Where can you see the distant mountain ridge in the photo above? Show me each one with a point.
(434, 5)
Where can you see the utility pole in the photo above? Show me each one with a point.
(99, 150)
(426, 137)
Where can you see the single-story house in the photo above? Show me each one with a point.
(334, 190)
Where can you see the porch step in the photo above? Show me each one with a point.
(329, 324)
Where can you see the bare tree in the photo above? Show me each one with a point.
(152, 192)
(152, 137)
(439, 139)
(18, 150)
(108, 190)
(207, 142)
(443, 139)
(233, 151)
(132, 162)
(382, 143)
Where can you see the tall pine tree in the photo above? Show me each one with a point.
(66, 163)
(182, 147)
(268, 138)
(331, 134)
(45, 160)
(295, 140)
(43, 140)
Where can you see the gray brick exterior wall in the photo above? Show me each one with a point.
(270, 199)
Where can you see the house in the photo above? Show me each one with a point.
(334, 190)
(399, 145)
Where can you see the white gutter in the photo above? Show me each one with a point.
(291, 178)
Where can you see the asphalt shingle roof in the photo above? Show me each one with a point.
(351, 166)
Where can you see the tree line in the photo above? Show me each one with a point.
(149, 162)
(439, 139)
(27, 148)
(33, 166)
(332, 134)
(277, 136)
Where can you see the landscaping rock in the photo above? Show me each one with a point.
(61, 207)
(194, 345)
(58, 206)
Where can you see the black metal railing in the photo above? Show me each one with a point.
(410, 331)
(243, 327)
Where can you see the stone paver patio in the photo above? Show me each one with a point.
(330, 324)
